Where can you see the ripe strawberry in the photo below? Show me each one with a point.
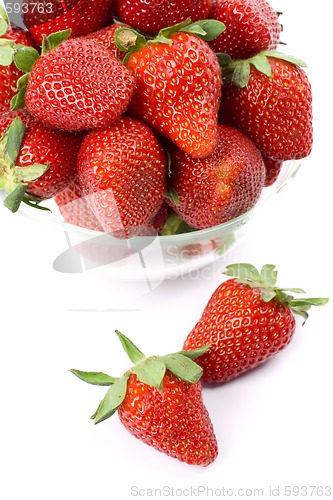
(247, 320)
(36, 162)
(81, 16)
(9, 74)
(74, 207)
(159, 401)
(272, 104)
(251, 26)
(77, 85)
(122, 169)
(273, 168)
(106, 37)
(207, 192)
(150, 16)
(178, 87)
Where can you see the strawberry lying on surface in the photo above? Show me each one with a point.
(150, 16)
(251, 27)
(247, 320)
(159, 401)
(122, 170)
(45, 17)
(36, 162)
(74, 85)
(178, 83)
(207, 192)
(269, 98)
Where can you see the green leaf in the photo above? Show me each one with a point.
(224, 60)
(241, 74)
(183, 367)
(134, 354)
(173, 195)
(3, 14)
(30, 173)
(3, 26)
(22, 82)
(308, 302)
(94, 378)
(207, 29)
(112, 400)
(25, 57)
(35, 204)
(52, 41)
(18, 101)
(262, 64)
(170, 30)
(150, 372)
(196, 353)
(285, 57)
(267, 294)
(243, 271)
(172, 224)
(10, 142)
(14, 199)
(294, 290)
(6, 52)
(269, 274)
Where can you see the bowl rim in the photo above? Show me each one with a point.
(285, 176)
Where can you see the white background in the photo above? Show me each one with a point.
(274, 425)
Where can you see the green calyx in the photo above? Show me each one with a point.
(175, 224)
(238, 72)
(24, 58)
(265, 280)
(128, 40)
(4, 21)
(149, 370)
(14, 179)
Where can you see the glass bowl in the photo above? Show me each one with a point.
(152, 258)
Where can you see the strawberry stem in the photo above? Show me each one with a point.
(265, 281)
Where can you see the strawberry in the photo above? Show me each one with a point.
(159, 401)
(81, 16)
(10, 34)
(106, 37)
(270, 100)
(74, 85)
(122, 169)
(247, 320)
(150, 16)
(36, 162)
(210, 191)
(273, 168)
(74, 207)
(178, 84)
(251, 27)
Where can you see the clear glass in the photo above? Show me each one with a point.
(153, 258)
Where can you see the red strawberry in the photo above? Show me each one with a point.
(74, 207)
(273, 169)
(150, 16)
(35, 161)
(78, 85)
(81, 16)
(178, 88)
(106, 37)
(122, 169)
(251, 26)
(9, 74)
(247, 320)
(159, 401)
(207, 192)
(272, 104)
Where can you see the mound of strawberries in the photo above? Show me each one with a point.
(194, 113)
